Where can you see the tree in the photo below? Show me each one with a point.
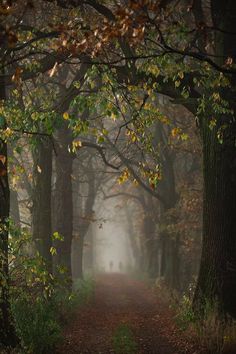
(189, 58)
(41, 209)
(84, 202)
(7, 332)
(217, 280)
(206, 91)
(10, 75)
(63, 206)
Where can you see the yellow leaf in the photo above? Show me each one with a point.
(184, 137)
(177, 83)
(8, 132)
(135, 182)
(212, 123)
(66, 115)
(216, 96)
(104, 131)
(53, 251)
(113, 116)
(175, 132)
(77, 144)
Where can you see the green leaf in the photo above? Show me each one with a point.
(100, 139)
(2, 122)
(57, 236)
(53, 251)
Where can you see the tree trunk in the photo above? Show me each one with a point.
(88, 262)
(135, 247)
(14, 210)
(169, 242)
(217, 275)
(173, 268)
(7, 331)
(151, 242)
(78, 247)
(63, 204)
(163, 247)
(41, 211)
(83, 218)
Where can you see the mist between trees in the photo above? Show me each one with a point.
(118, 150)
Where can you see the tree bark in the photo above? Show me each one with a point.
(151, 241)
(217, 275)
(85, 213)
(41, 211)
(7, 331)
(78, 248)
(63, 204)
(135, 247)
(88, 262)
(14, 208)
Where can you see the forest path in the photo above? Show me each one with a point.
(118, 301)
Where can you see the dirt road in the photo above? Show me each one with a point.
(122, 303)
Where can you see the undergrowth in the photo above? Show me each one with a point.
(39, 320)
(212, 333)
(41, 302)
(216, 334)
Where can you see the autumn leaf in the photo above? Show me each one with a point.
(3, 159)
(212, 123)
(229, 61)
(66, 115)
(57, 236)
(39, 169)
(53, 251)
(76, 144)
(52, 72)
(3, 172)
(175, 132)
(17, 76)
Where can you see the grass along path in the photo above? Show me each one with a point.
(125, 317)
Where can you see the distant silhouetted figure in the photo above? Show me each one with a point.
(111, 266)
(121, 266)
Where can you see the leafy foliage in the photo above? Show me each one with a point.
(37, 324)
(41, 303)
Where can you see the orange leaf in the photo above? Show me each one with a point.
(3, 159)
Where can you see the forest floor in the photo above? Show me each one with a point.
(121, 302)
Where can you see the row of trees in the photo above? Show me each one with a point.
(71, 80)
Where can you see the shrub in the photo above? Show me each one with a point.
(185, 315)
(36, 324)
(215, 334)
(41, 302)
(83, 290)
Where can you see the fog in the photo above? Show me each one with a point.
(111, 240)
